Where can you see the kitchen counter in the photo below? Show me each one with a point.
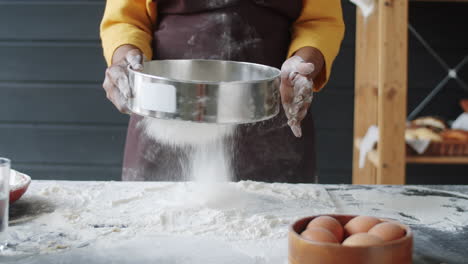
(246, 222)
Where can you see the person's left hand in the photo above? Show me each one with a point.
(297, 75)
(296, 91)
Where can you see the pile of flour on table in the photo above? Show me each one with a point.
(248, 217)
(245, 213)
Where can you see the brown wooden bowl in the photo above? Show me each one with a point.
(302, 251)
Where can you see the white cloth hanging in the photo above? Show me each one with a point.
(367, 144)
(371, 138)
(366, 6)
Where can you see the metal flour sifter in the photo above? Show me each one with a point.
(208, 91)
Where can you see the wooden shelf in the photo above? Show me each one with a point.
(373, 158)
(437, 160)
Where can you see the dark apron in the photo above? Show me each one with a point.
(241, 30)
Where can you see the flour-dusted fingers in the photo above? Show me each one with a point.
(286, 90)
(296, 91)
(135, 59)
(302, 87)
(296, 117)
(303, 111)
(119, 101)
(117, 81)
(108, 85)
(119, 76)
(295, 127)
(114, 95)
(305, 68)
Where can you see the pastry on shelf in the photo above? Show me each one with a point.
(443, 141)
(434, 123)
(422, 133)
(455, 135)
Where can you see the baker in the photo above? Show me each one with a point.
(302, 37)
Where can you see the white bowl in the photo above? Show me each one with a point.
(19, 183)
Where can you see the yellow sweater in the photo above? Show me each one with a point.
(320, 25)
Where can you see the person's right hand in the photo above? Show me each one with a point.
(116, 82)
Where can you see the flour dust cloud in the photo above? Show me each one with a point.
(209, 147)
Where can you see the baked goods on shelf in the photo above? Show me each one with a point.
(446, 148)
(431, 122)
(443, 141)
(455, 135)
(422, 133)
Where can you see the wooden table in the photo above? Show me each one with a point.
(49, 205)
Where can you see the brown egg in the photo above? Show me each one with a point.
(319, 234)
(360, 224)
(362, 240)
(387, 231)
(329, 223)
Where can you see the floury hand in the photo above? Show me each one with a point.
(296, 91)
(116, 82)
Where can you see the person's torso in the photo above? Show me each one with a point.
(241, 30)
(255, 31)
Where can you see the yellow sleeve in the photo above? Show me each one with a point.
(128, 22)
(321, 26)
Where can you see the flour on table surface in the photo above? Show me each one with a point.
(84, 213)
(444, 210)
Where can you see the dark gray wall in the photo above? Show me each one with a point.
(443, 25)
(55, 122)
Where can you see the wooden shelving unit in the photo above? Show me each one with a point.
(437, 160)
(381, 84)
(372, 157)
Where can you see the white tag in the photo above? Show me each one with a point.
(461, 122)
(367, 144)
(158, 97)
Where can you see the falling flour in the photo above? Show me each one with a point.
(184, 133)
(208, 146)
